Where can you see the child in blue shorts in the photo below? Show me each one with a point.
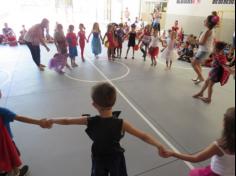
(106, 130)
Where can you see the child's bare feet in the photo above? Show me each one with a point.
(194, 80)
(199, 81)
(206, 100)
(68, 67)
(74, 65)
(41, 68)
(198, 95)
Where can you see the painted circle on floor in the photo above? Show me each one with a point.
(4, 78)
(97, 81)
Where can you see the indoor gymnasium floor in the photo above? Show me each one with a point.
(157, 101)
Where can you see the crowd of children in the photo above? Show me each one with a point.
(106, 130)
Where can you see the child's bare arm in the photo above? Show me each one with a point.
(206, 36)
(42, 123)
(89, 36)
(44, 44)
(142, 135)
(126, 36)
(204, 155)
(100, 35)
(75, 121)
(103, 39)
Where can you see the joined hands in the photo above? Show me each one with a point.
(46, 123)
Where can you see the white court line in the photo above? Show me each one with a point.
(141, 115)
(95, 81)
(7, 80)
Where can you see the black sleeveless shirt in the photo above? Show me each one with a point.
(106, 134)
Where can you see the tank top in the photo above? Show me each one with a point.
(154, 42)
(106, 134)
(208, 46)
(224, 165)
(170, 44)
(147, 38)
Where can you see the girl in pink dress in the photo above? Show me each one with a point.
(59, 61)
(82, 39)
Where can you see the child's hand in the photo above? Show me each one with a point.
(167, 153)
(44, 123)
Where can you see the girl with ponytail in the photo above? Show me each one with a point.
(221, 151)
(206, 42)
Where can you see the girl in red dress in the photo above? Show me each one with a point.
(110, 41)
(218, 74)
(82, 39)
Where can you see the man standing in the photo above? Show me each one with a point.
(33, 38)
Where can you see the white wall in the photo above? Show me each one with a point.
(204, 8)
(192, 16)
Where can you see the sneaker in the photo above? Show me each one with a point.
(133, 58)
(126, 58)
(24, 170)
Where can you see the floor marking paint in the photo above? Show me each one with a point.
(97, 81)
(7, 79)
(141, 115)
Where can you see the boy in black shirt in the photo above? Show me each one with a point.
(106, 131)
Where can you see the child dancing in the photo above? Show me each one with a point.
(221, 152)
(106, 131)
(154, 47)
(145, 39)
(169, 53)
(96, 41)
(132, 40)
(219, 73)
(72, 42)
(59, 61)
(111, 41)
(10, 161)
(82, 40)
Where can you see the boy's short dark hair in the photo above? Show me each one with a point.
(104, 95)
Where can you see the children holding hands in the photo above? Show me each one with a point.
(10, 161)
(221, 152)
(106, 130)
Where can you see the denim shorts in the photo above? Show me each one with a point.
(202, 55)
